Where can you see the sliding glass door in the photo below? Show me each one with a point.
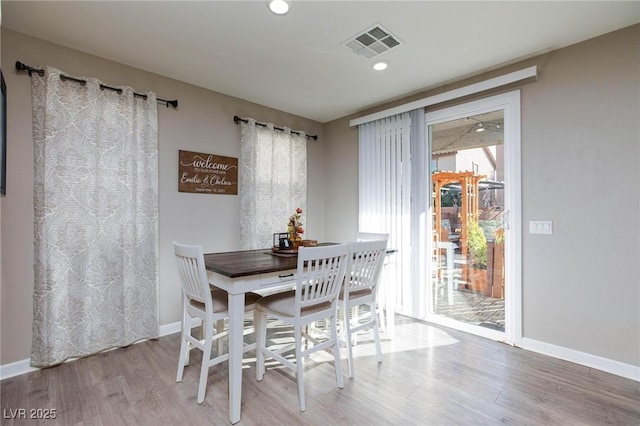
(474, 182)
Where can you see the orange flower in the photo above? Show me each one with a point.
(294, 227)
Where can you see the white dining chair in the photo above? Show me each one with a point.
(383, 305)
(371, 236)
(206, 303)
(319, 278)
(361, 284)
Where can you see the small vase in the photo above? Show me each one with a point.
(296, 241)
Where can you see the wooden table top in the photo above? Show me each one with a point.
(234, 264)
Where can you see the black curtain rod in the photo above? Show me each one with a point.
(22, 67)
(237, 119)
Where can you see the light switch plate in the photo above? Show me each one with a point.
(540, 227)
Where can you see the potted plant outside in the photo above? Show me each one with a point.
(477, 243)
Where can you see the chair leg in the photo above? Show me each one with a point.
(376, 330)
(206, 358)
(355, 310)
(184, 347)
(348, 343)
(182, 359)
(256, 319)
(220, 329)
(260, 319)
(381, 310)
(300, 366)
(336, 350)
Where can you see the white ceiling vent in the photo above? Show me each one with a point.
(372, 42)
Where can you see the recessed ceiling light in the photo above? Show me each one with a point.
(279, 7)
(381, 65)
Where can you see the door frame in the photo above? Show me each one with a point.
(510, 104)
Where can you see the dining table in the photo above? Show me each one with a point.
(240, 272)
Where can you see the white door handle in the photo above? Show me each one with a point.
(505, 220)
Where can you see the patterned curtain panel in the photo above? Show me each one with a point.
(96, 218)
(273, 182)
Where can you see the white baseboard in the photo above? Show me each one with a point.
(23, 367)
(588, 360)
(16, 368)
(168, 329)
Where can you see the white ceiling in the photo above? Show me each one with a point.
(296, 62)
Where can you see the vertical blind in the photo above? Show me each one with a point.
(385, 191)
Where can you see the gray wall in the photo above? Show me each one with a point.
(580, 169)
(581, 162)
(203, 122)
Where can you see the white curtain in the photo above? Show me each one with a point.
(273, 182)
(96, 216)
(385, 189)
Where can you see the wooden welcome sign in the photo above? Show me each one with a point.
(207, 173)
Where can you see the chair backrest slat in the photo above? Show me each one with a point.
(366, 259)
(321, 272)
(193, 274)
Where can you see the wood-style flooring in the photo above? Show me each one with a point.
(430, 375)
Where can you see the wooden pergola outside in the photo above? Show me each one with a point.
(469, 204)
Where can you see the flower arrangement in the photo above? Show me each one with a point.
(294, 228)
